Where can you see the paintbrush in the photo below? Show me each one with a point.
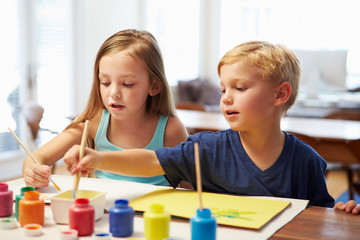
(81, 154)
(31, 156)
(198, 174)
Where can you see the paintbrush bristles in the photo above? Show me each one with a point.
(81, 155)
(198, 174)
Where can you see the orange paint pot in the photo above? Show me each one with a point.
(31, 209)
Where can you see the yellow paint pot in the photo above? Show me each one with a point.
(61, 203)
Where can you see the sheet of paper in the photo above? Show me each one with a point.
(229, 210)
(127, 190)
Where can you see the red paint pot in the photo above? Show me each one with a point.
(82, 217)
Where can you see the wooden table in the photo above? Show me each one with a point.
(321, 223)
(337, 141)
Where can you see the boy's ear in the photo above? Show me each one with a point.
(155, 88)
(283, 93)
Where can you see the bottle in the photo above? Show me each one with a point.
(121, 218)
(31, 209)
(157, 223)
(21, 196)
(203, 225)
(82, 217)
(6, 200)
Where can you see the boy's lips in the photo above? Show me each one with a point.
(231, 114)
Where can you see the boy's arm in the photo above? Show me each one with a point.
(133, 162)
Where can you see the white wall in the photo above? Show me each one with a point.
(95, 21)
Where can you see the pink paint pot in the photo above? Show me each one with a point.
(6, 200)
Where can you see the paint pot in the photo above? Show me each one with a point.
(121, 218)
(70, 234)
(82, 217)
(21, 196)
(6, 200)
(203, 225)
(61, 203)
(31, 209)
(156, 223)
(32, 229)
(101, 236)
(8, 223)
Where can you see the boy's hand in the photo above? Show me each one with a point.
(37, 175)
(349, 207)
(89, 162)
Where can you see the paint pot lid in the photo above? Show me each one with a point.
(4, 187)
(69, 234)
(32, 229)
(101, 235)
(8, 223)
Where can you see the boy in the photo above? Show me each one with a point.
(259, 83)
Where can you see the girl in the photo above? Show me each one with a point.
(130, 106)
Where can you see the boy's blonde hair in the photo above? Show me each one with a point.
(275, 62)
(143, 46)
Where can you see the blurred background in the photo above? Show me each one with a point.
(48, 47)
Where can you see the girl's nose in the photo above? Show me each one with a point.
(115, 92)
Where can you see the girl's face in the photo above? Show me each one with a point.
(247, 99)
(124, 85)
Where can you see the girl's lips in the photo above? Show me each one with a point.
(116, 107)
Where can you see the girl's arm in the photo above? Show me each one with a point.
(133, 162)
(38, 175)
(175, 132)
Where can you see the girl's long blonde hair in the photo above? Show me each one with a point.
(143, 46)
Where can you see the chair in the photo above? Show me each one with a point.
(340, 156)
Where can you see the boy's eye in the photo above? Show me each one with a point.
(241, 89)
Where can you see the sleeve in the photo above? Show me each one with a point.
(179, 162)
(317, 191)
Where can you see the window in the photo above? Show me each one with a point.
(303, 25)
(35, 64)
(13, 71)
(175, 25)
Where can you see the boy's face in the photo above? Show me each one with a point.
(247, 99)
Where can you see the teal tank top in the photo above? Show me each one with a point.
(102, 144)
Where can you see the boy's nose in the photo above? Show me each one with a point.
(226, 98)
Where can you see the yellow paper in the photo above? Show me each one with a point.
(229, 210)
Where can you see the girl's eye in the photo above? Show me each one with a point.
(222, 91)
(106, 84)
(128, 84)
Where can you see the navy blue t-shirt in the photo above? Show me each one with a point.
(299, 172)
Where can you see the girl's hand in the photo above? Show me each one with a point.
(37, 175)
(89, 162)
(349, 207)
